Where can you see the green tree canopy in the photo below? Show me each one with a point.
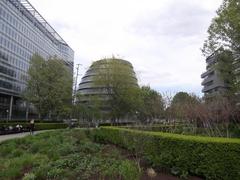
(182, 101)
(49, 86)
(152, 104)
(224, 30)
(117, 78)
(225, 69)
(181, 98)
(224, 42)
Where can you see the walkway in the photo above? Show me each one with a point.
(18, 135)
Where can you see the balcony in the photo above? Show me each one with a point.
(203, 75)
(208, 88)
(208, 79)
(211, 59)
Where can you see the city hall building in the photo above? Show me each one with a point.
(24, 32)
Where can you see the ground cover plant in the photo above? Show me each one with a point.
(208, 157)
(63, 154)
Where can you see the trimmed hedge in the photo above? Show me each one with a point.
(45, 126)
(38, 126)
(157, 127)
(212, 158)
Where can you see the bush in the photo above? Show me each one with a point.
(212, 158)
(63, 154)
(45, 126)
(29, 176)
(129, 170)
(18, 166)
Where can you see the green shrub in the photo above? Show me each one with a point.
(129, 170)
(18, 166)
(63, 154)
(120, 169)
(46, 126)
(89, 147)
(29, 176)
(212, 158)
(55, 173)
(66, 149)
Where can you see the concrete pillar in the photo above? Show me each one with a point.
(10, 108)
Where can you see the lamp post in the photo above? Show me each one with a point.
(75, 86)
(7, 115)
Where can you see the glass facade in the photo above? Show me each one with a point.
(90, 91)
(24, 32)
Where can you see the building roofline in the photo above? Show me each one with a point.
(27, 9)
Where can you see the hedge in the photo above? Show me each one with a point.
(157, 127)
(45, 126)
(211, 158)
(38, 126)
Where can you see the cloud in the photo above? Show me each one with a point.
(170, 43)
(179, 18)
(162, 39)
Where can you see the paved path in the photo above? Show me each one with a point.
(18, 135)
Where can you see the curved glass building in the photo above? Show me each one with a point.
(24, 32)
(91, 88)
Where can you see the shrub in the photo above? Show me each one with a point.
(129, 170)
(16, 167)
(46, 126)
(212, 158)
(63, 154)
(29, 176)
(55, 173)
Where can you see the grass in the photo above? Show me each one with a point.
(63, 154)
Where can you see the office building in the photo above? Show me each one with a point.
(212, 83)
(24, 32)
(90, 90)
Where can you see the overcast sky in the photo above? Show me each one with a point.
(161, 38)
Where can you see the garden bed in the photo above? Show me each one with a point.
(211, 158)
(63, 154)
(71, 154)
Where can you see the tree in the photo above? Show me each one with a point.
(49, 87)
(183, 98)
(224, 42)
(152, 106)
(225, 68)
(181, 102)
(224, 30)
(89, 112)
(117, 79)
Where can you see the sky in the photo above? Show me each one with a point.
(161, 38)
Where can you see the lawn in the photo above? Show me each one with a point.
(63, 154)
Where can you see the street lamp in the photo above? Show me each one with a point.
(7, 114)
(75, 86)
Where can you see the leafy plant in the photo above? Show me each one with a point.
(213, 158)
(62, 154)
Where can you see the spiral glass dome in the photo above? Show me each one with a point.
(105, 70)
